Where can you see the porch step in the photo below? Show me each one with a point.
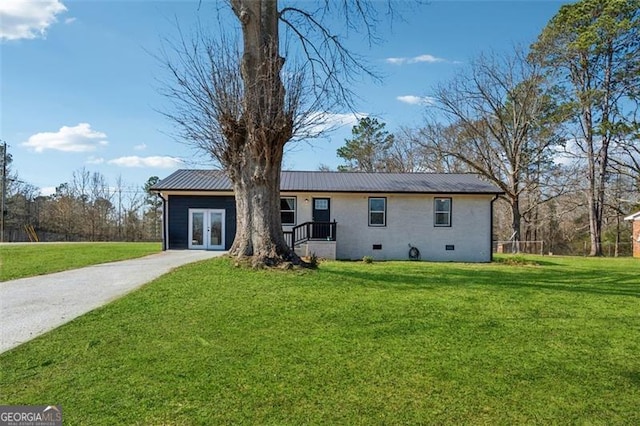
(301, 249)
(321, 248)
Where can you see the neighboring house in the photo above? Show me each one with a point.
(635, 220)
(343, 215)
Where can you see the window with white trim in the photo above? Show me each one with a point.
(442, 212)
(288, 210)
(378, 211)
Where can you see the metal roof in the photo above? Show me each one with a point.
(303, 181)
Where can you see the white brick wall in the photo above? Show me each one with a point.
(409, 221)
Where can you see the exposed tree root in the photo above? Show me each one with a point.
(288, 261)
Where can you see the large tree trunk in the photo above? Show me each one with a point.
(258, 225)
(595, 190)
(266, 127)
(600, 165)
(595, 227)
(516, 219)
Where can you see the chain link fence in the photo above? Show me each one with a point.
(609, 249)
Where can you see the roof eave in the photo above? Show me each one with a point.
(634, 216)
(339, 191)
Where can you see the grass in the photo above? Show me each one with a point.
(552, 341)
(26, 260)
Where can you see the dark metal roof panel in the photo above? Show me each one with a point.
(303, 181)
(194, 180)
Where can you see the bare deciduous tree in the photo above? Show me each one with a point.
(497, 121)
(242, 104)
(424, 155)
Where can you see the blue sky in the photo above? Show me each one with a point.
(79, 83)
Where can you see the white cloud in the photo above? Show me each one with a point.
(416, 100)
(24, 19)
(426, 58)
(94, 160)
(570, 153)
(343, 119)
(140, 147)
(160, 162)
(80, 138)
(416, 59)
(69, 20)
(320, 122)
(47, 190)
(396, 61)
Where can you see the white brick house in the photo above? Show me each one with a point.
(447, 217)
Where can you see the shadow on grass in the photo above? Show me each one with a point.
(508, 262)
(633, 377)
(521, 278)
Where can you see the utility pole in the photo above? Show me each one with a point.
(4, 189)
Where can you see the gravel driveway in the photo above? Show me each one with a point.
(32, 306)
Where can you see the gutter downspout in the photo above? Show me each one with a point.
(495, 197)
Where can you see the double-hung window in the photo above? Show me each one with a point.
(378, 211)
(288, 210)
(442, 212)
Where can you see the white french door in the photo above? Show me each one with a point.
(206, 229)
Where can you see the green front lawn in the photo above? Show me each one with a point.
(555, 342)
(26, 260)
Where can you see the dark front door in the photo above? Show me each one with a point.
(321, 216)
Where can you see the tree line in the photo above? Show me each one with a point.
(86, 208)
